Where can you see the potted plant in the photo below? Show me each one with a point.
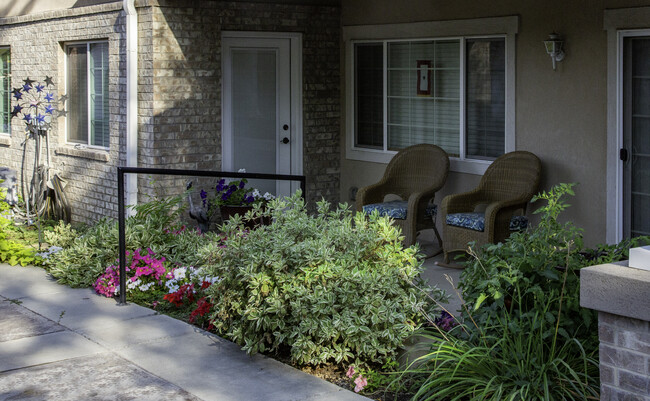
(233, 198)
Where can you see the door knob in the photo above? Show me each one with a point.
(285, 140)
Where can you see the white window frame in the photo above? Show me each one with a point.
(619, 24)
(65, 50)
(8, 91)
(506, 27)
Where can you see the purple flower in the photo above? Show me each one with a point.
(249, 199)
(204, 197)
(241, 184)
(221, 185)
(446, 321)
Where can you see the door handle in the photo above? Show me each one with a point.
(623, 155)
(285, 127)
(285, 140)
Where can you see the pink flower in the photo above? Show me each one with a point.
(360, 382)
(351, 372)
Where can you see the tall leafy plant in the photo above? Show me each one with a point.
(523, 335)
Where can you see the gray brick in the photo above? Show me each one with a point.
(634, 383)
(623, 358)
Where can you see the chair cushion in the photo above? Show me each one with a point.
(396, 209)
(476, 221)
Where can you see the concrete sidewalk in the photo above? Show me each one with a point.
(60, 343)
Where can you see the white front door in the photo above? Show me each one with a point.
(261, 108)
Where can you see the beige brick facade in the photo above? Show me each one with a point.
(179, 90)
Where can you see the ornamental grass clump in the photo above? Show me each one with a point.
(329, 287)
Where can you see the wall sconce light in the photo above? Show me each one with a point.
(554, 48)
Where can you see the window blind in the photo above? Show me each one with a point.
(77, 89)
(87, 89)
(99, 124)
(369, 90)
(5, 91)
(426, 112)
(420, 84)
(485, 99)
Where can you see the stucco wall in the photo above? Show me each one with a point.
(560, 115)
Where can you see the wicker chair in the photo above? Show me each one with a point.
(414, 174)
(504, 190)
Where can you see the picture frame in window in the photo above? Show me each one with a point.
(423, 83)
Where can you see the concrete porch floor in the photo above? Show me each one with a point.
(445, 278)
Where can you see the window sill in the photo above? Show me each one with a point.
(85, 153)
(5, 140)
(457, 165)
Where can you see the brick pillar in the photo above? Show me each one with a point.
(624, 357)
(621, 295)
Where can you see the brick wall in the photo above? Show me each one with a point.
(187, 84)
(624, 358)
(179, 91)
(36, 43)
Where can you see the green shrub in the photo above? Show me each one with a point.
(61, 235)
(155, 225)
(524, 335)
(13, 252)
(331, 287)
(513, 276)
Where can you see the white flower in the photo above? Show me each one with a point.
(241, 170)
(131, 285)
(269, 196)
(145, 287)
(256, 193)
(172, 287)
(180, 273)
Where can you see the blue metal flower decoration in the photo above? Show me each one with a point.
(34, 104)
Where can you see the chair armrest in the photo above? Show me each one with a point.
(497, 218)
(463, 202)
(415, 200)
(372, 194)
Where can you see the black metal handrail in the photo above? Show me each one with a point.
(121, 171)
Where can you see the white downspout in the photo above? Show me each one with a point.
(131, 184)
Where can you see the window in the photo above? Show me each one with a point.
(420, 84)
(87, 89)
(5, 90)
(453, 88)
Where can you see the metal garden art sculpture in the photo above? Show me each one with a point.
(35, 104)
